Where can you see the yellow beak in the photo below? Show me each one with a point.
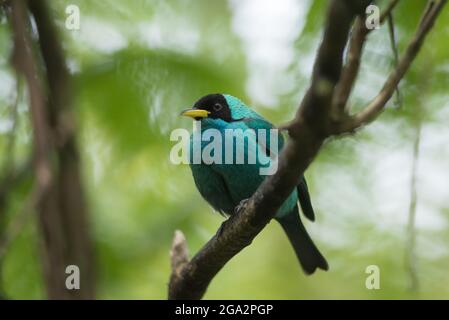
(195, 113)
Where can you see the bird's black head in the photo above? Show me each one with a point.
(212, 106)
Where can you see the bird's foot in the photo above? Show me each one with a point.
(241, 206)
(238, 209)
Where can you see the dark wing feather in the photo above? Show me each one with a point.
(304, 200)
(303, 191)
(260, 123)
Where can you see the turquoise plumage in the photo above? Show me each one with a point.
(225, 185)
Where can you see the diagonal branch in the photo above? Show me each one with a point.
(394, 48)
(351, 69)
(388, 10)
(372, 111)
(352, 66)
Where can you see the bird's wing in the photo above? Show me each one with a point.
(242, 179)
(262, 124)
(304, 199)
(303, 191)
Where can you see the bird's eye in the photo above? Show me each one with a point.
(217, 107)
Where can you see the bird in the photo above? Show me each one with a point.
(225, 186)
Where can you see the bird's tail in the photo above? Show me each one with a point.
(308, 254)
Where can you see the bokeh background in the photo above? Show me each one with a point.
(136, 64)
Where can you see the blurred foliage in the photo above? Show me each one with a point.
(136, 64)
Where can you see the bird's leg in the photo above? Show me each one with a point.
(241, 206)
(238, 209)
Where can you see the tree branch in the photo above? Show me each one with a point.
(179, 254)
(373, 110)
(352, 66)
(394, 48)
(411, 231)
(388, 10)
(23, 60)
(60, 205)
(8, 171)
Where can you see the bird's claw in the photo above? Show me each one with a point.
(241, 206)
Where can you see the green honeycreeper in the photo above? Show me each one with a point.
(225, 186)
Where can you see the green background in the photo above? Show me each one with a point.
(136, 64)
